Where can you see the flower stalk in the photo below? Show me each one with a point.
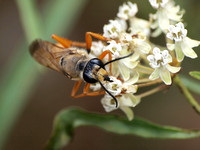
(152, 91)
(191, 100)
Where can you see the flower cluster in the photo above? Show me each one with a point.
(149, 64)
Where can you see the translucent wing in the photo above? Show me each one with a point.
(47, 54)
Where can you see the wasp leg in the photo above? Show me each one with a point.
(86, 93)
(88, 39)
(75, 88)
(110, 58)
(67, 43)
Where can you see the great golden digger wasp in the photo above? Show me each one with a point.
(71, 59)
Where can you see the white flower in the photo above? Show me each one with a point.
(114, 87)
(124, 94)
(112, 30)
(96, 49)
(95, 87)
(140, 46)
(114, 47)
(125, 102)
(177, 32)
(127, 11)
(125, 39)
(164, 16)
(138, 25)
(158, 3)
(183, 45)
(160, 62)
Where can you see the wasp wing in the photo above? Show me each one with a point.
(46, 54)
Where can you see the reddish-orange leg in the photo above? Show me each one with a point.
(109, 58)
(85, 91)
(67, 43)
(88, 39)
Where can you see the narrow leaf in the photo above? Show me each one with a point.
(69, 119)
(195, 74)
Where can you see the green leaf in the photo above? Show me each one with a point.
(195, 74)
(69, 119)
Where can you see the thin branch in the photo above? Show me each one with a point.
(152, 91)
(150, 83)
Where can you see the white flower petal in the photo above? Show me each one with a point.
(169, 59)
(156, 33)
(114, 87)
(133, 79)
(128, 111)
(188, 51)
(125, 72)
(165, 76)
(150, 58)
(155, 75)
(135, 99)
(95, 86)
(130, 64)
(145, 47)
(173, 69)
(139, 25)
(135, 56)
(125, 100)
(115, 69)
(163, 20)
(191, 43)
(156, 50)
(170, 46)
(179, 53)
(108, 103)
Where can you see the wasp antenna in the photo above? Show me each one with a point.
(118, 59)
(116, 102)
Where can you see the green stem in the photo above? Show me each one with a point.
(192, 85)
(187, 94)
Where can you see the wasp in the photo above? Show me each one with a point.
(71, 59)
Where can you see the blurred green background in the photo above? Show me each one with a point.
(30, 98)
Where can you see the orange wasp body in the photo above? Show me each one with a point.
(71, 59)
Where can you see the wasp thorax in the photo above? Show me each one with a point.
(73, 65)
